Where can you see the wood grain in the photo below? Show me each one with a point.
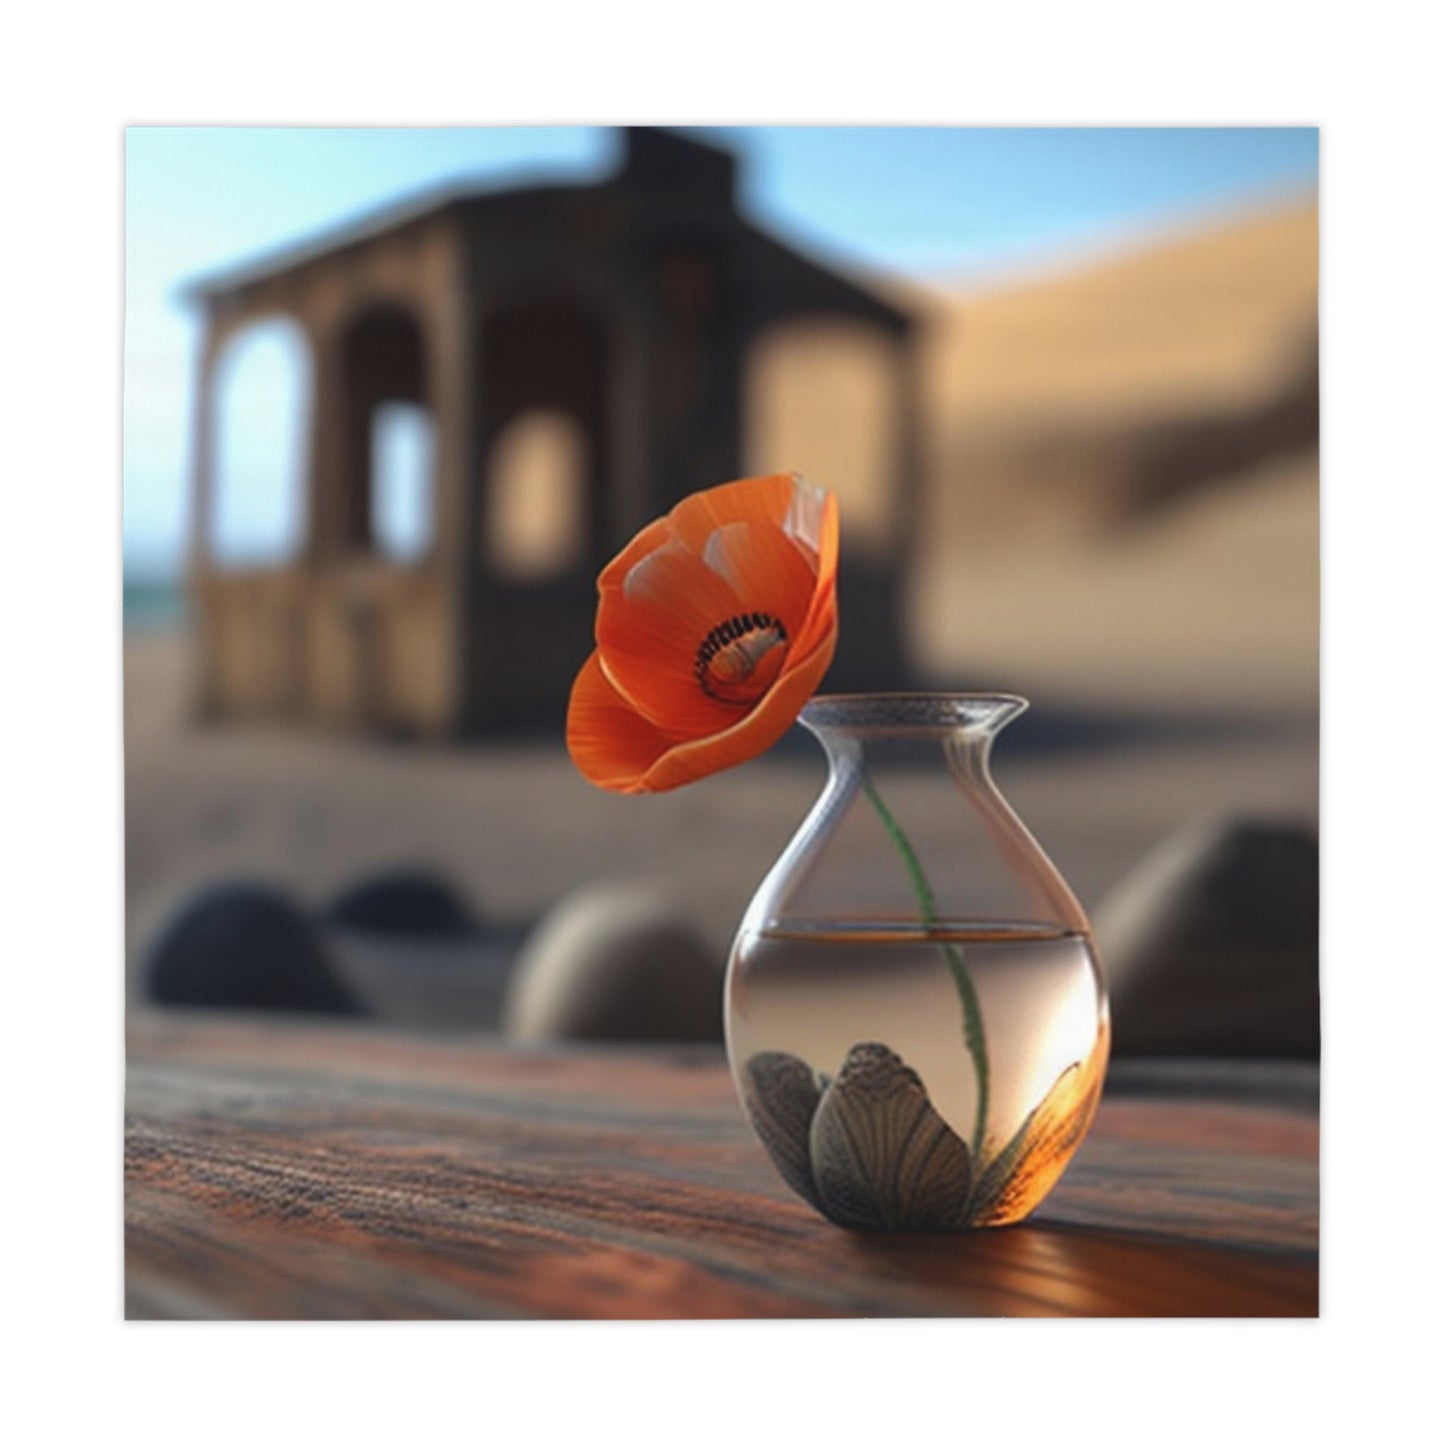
(282, 1170)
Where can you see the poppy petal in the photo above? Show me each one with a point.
(649, 630)
(822, 616)
(767, 572)
(774, 714)
(764, 500)
(805, 521)
(648, 540)
(611, 744)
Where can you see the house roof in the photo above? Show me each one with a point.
(653, 160)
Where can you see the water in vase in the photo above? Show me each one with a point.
(918, 1078)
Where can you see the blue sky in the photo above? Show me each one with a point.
(928, 203)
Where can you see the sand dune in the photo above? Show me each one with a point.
(1214, 317)
(1123, 475)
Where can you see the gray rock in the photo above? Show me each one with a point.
(616, 962)
(242, 945)
(1211, 945)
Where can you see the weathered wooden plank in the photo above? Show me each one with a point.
(277, 1170)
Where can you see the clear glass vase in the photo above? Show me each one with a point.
(916, 1020)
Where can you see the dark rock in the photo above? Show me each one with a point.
(242, 945)
(616, 963)
(1211, 945)
(403, 902)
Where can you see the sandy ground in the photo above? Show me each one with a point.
(518, 829)
(1213, 606)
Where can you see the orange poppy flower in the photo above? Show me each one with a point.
(715, 625)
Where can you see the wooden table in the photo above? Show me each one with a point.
(301, 1170)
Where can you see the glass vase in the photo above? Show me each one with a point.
(917, 1023)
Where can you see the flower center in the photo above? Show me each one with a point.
(739, 659)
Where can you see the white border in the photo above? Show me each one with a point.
(85, 72)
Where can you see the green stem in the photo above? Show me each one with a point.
(968, 995)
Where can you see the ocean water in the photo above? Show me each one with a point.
(151, 605)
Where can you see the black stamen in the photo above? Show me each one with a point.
(728, 632)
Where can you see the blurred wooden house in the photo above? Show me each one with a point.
(630, 309)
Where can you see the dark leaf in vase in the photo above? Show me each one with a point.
(782, 1096)
(882, 1157)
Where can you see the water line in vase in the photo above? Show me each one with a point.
(968, 996)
